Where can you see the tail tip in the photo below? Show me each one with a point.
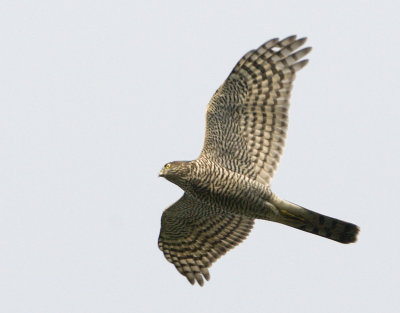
(349, 234)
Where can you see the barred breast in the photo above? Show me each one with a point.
(226, 189)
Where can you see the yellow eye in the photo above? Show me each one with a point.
(167, 166)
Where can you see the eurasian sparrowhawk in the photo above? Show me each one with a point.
(228, 186)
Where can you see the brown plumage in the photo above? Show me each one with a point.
(228, 186)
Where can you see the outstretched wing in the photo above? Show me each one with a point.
(248, 115)
(194, 235)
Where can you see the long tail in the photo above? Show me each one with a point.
(298, 217)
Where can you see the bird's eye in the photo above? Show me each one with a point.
(167, 166)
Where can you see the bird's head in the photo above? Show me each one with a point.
(176, 172)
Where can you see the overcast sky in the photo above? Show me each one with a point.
(96, 96)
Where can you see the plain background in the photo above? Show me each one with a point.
(96, 96)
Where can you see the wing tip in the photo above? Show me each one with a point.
(299, 65)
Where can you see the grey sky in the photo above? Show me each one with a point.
(96, 96)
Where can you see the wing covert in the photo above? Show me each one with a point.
(193, 236)
(248, 115)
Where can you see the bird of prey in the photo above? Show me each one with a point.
(228, 185)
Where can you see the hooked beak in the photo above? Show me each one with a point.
(161, 174)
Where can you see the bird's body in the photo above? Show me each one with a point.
(228, 186)
(223, 189)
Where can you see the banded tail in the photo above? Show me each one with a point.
(298, 217)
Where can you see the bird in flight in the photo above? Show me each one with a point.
(228, 186)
